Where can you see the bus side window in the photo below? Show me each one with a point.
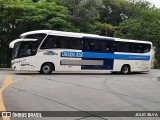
(71, 44)
(125, 47)
(78, 43)
(133, 48)
(53, 42)
(105, 46)
(48, 43)
(138, 48)
(110, 46)
(62, 43)
(146, 48)
(122, 47)
(59, 42)
(85, 45)
(97, 45)
(117, 47)
(91, 45)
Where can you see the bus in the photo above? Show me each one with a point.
(49, 50)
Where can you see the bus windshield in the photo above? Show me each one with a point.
(24, 49)
(15, 50)
(27, 48)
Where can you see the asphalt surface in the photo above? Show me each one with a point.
(30, 91)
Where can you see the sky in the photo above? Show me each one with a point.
(156, 2)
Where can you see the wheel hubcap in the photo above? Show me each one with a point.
(125, 70)
(46, 69)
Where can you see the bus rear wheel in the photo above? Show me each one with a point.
(46, 68)
(125, 69)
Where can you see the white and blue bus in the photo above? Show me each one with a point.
(48, 50)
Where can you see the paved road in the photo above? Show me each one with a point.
(76, 92)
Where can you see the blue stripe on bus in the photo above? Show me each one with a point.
(103, 55)
(115, 56)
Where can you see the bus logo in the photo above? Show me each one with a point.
(50, 53)
(72, 54)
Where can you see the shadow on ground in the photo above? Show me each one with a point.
(70, 73)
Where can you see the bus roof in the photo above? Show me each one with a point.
(80, 35)
(35, 32)
(129, 40)
(59, 33)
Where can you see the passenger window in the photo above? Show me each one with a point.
(138, 48)
(78, 43)
(88, 45)
(60, 41)
(97, 45)
(49, 43)
(71, 44)
(146, 48)
(107, 46)
(122, 47)
(85, 45)
(92, 45)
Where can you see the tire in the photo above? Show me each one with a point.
(46, 68)
(125, 69)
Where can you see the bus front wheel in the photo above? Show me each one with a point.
(46, 68)
(125, 69)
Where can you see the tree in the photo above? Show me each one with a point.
(83, 13)
(145, 27)
(18, 16)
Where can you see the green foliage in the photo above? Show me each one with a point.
(143, 24)
(83, 13)
(105, 29)
(114, 11)
(18, 16)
